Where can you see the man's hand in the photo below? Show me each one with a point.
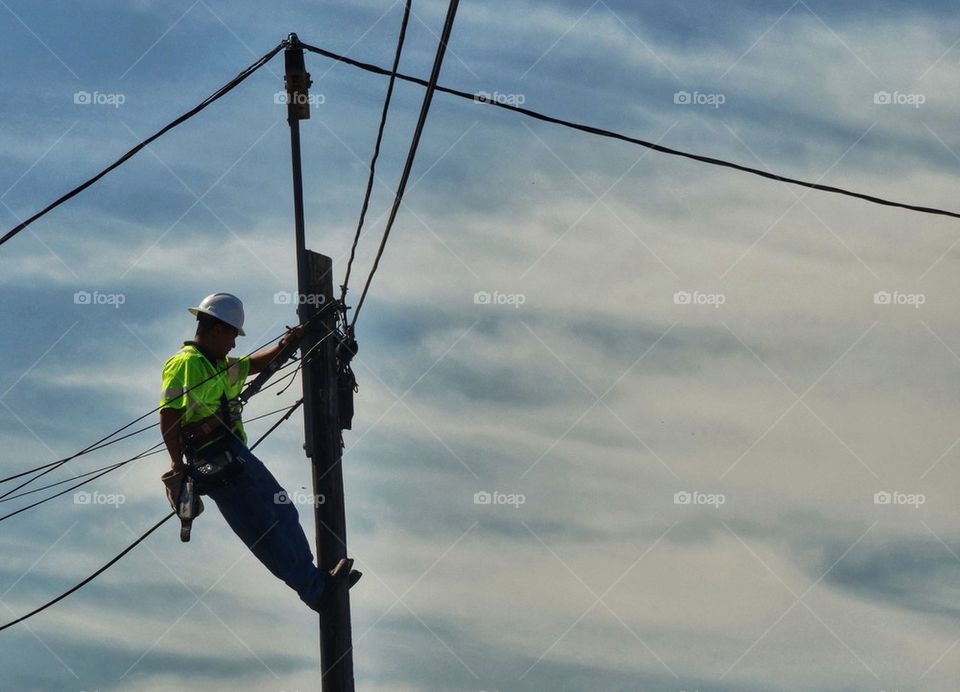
(260, 360)
(292, 334)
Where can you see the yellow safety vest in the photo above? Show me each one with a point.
(192, 383)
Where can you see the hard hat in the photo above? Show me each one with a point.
(226, 307)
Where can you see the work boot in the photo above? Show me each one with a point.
(341, 573)
(353, 576)
(342, 568)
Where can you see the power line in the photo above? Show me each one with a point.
(137, 542)
(225, 89)
(91, 449)
(155, 449)
(116, 465)
(376, 148)
(101, 443)
(286, 416)
(151, 450)
(411, 154)
(590, 129)
(91, 577)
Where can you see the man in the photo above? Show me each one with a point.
(200, 421)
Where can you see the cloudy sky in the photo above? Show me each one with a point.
(716, 414)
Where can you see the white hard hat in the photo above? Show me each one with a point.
(226, 307)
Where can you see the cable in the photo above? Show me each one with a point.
(91, 577)
(225, 89)
(52, 466)
(150, 451)
(92, 449)
(100, 444)
(130, 547)
(108, 467)
(376, 148)
(155, 449)
(273, 427)
(118, 464)
(590, 129)
(411, 154)
(302, 361)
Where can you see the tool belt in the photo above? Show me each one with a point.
(215, 426)
(200, 432)
(214, 465)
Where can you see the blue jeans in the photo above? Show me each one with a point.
(270, 528)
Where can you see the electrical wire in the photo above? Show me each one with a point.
(376, 148)
(155, 449)
(133, 545)
(411, 154)
(92, 449)
(150, 451)
(110, 467)
(44, 469)
(303, 360)
(91, 577)
(590, 129)
(273, 427)
(225, 89)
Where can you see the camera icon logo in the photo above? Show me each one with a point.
(282, 298)
(883, 98)
(882, 298)
(482, 298)
(82, 298)
(81, 498)
(82, 98)
(682, 498)
(882, 498)
(682, 298)
(482, 498)
(682, 98)
(281, 498)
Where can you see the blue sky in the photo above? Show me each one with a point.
(659, 331)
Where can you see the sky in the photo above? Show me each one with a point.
(625, 421)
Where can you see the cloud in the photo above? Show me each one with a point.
(502, 396)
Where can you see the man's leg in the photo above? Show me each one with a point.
(270, 528)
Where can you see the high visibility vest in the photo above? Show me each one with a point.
(192, 383)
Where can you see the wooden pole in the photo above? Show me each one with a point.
(320, 401)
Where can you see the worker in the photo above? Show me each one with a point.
(202, 428)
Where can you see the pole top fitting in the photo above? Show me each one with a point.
(292, 41)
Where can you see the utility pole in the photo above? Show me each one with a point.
(320, 399)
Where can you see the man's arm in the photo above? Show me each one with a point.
(170, 420)
(261, 359)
